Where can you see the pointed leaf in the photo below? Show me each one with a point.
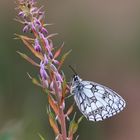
(30, 47)
(52, 104)
(41, 137)
(77, 137)
(52, 35)
(70, 110)
(63, 58)
(57, 53)
(53, 123)
(70, 134)
(80, 119)
(73, 127)
(24, 37)
(64, 88)
(51, 44)
(28, 59)
(34, 80)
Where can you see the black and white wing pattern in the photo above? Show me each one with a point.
(95, 101)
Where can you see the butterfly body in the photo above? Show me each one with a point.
(96, 102)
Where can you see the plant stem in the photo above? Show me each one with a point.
(63, 124)
(61, 113)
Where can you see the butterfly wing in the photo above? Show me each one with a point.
(97, 102)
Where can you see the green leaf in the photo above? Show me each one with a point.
(74, 126)
(70, 132)
(53, 122)
(64, 87)
(41, 137)
(34, 80)
(80, 119)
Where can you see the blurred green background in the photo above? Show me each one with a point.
(105, 40)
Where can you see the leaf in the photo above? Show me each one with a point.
(57, 53)
(74, 126)
(63, 58)
(70, 132)
(34, 80)
(52, 35)
(27, 43)
(64, 88)
(25, 37)
(53, 123)
(41, 137)
(53, 105)
(80, 119)
(28, 59)
(70, 110)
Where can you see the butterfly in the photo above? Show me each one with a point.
(96, 102)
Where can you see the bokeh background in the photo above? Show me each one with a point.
(105, 40)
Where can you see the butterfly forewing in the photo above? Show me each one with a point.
(95, 101)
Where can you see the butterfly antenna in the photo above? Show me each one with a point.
(73, 70)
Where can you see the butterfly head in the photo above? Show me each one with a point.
(76, 79)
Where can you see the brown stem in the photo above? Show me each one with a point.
(63, 124)
(61, 112)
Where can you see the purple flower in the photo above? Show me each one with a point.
(52, 86)
(45, 59)
(32, 2)
(55, 61)
(21, 14)
(59, 77)
(47, 46)
(43, 72)
(37, 22)
(37, 45)
(33, 10)
(33, 28)
(51, 79)
(45, 83)
(40, 15)
(44, 31)
(53, 68)
(26, 28)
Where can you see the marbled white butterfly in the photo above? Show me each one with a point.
(95, 101)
